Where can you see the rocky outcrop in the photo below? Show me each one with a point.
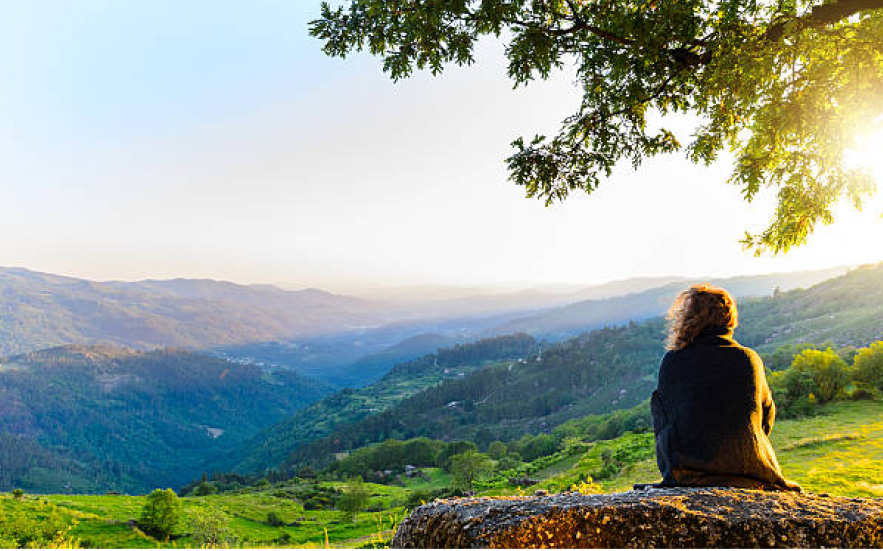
(667, 518)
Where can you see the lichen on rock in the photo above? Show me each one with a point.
(656, 517)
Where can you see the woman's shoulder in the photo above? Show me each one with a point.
(747, 351)
(749, 357)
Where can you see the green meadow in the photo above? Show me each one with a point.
(838, 451)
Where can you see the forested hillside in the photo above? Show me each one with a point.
(346, 360)
(271, 446)
(92, 419)
(600, 371)
(606, 369)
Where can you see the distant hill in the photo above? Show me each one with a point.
(41, 310)
(557, 323)
(359, 357)
(92, 419)
(271, 446)
(603, 370)
(342, 340)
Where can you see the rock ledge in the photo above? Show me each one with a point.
(667, 518)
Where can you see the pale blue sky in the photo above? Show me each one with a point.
(214, 139)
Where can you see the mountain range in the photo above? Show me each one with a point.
(40, 310)
(99, 414)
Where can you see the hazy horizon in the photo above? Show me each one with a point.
(215, 140)
(443, 289)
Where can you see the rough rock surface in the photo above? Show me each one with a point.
(668, 518)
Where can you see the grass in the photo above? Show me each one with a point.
(106, 521)
(844, 455)
(839, 452)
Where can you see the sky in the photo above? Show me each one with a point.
(213, 139)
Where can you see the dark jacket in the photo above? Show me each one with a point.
(712, 414)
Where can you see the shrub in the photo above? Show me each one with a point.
(863, 393)
(313, 504)
(210, 528)
(205, 489)
(497, 450)
(468, 466)
(355, 497)
(868, 365)
(160, 514)
(273, 519)
(821, 373)
(508, 462)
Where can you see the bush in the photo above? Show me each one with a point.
(508, 462)
(273, 519)
(210, 528)
(205, 489)
(355, 497)
(18, 494)
(868, 365)
(468, 466)
(420, 497)
(497, 450)
(862, 393)
(160, 514)
(452, 449)
(821, 373)
(314, 504)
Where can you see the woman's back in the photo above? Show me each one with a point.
(712, 413)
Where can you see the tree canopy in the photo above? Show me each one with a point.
(786, 85)
(161, 513)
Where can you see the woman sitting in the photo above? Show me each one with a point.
(713, 410)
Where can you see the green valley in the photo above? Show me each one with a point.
(93, 419)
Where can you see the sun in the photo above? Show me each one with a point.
(867, 152)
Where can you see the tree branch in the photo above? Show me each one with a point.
(823, 15)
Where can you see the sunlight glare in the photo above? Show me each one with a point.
(868, 150)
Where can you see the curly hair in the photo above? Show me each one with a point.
(698, 307)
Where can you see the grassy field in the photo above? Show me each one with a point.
(107, 521)
(839, 451)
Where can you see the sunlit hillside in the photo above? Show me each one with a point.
(838, 451)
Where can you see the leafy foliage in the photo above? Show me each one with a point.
(391, 455)
(161, 514)
(210, 529)
(869, 365)
(825, 372)
(467, 467)
(355, 497)
(785, 85)
(819, 376)
(35, 525)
